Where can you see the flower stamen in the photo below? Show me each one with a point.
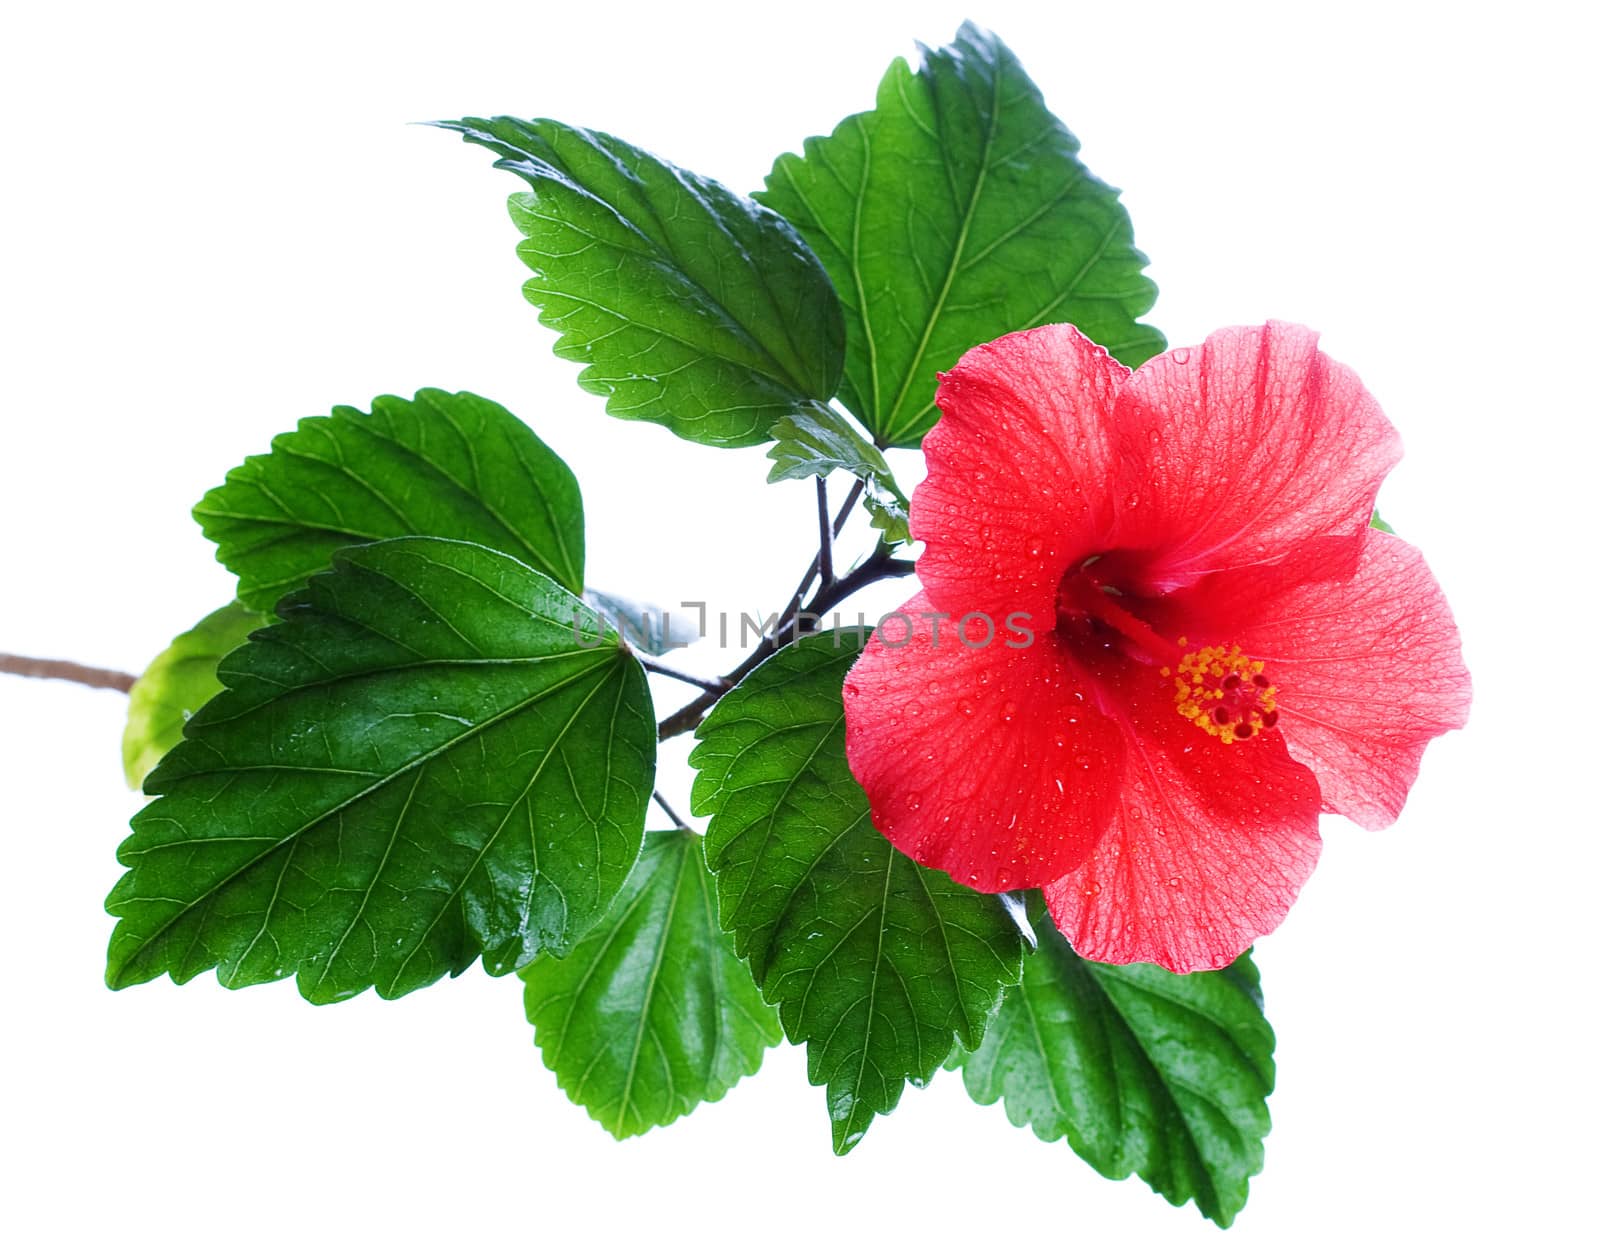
(1224, 692)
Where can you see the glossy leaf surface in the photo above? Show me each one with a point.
(652, 1013)
(1142, 1070)
(814, 444)
(420, 765)
(877, 965)
(954, 212)
(688, 305)
(441, 465)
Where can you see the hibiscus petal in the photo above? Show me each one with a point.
(1206, 852)
(1017, 471)
(985, 762)
(1237, 451)
(1368, 668)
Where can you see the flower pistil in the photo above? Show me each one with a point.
(1221, 689)
(1224, 692)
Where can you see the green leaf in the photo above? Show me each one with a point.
(652, 1013)
(1140, 1069)
(878, 965)
(440, 465)
(814, 444)
(691, 306)
(177, 684)
(643, 626)
(1378, 523)
(420, 765)
(955, 212)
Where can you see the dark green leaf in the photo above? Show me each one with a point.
(652, 1013)
(1140, 1069)
(420, 765)
(690, 305)
(439, 465)
(178, 684)
(953, 213)
(814, 444)
(878, 965)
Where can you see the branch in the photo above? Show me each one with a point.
(799, 595)
(67, 670)
(825, 543)
(714, 684)
(875, 568)
(666, 807)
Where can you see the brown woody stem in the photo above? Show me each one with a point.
(67, 670)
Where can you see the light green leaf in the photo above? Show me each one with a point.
(814, 444)
(955, 212)
(420, 765)
(689, 305)
(652, 1013)
(441, 465)
(1378, 523)
(1142, 1070)
(877, 965)
(177, 684)
(643, 626)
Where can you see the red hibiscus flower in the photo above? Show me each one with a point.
(1156, 638)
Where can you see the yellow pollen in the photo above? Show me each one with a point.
(1224, 692)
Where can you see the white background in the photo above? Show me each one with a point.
(216, 222)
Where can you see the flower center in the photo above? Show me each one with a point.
(1093, 612)
(1224, 692)
(1221, 689)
